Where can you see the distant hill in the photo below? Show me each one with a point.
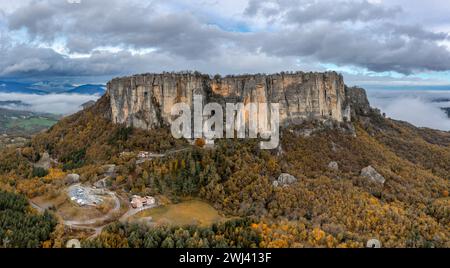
(53, 86)
(46, 87)
(14, 103)
(16, 87)
(88, 89)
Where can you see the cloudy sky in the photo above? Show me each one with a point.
(372, 42)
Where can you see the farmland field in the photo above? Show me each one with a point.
(192, 212)
(25, 123)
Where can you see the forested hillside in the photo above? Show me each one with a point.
(323, 207)
(19, 226)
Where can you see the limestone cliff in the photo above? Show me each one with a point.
(145, 100)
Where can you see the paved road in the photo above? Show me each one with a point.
(134, 211)
(153, 156)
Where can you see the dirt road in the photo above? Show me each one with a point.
(104, 218)
(88, 224)
(91, 224)
(133, 211)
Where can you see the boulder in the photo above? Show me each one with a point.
(73, 243)
(72, 178)
(373, 243)
(44, 162)
(109, 168)
(373, 175)
(101, 184)
(284, 180)
(356, 98)
(333, 165)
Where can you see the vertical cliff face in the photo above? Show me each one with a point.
(145, 101)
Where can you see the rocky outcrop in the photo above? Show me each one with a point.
(45, 161)
(72, 178)
(356, 99)
(373, 175)
(333, 165)
(284, 180)
(109, 173)
(145, 101)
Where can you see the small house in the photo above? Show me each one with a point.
(140, 202)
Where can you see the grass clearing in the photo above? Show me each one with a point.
(192, 212)
(32, 123)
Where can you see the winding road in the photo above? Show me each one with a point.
(133, 211)
(87, 224)
(167, 153)
(104, 218)
(91, 223)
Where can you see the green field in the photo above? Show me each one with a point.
(192, 212)
(31, 123)
(25, 123)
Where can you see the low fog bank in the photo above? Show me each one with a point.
(420, 108)
(62, 104)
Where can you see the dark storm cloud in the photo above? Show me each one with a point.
(91, 24)
(305, 11)
(27, 61)
(415, 31)
(355, 33)
(24, 60)
(344, 33)
(377, 51)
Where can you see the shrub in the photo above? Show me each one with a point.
(39, 172)
(200, 142)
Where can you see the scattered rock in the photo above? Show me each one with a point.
(102, 184)
(88, 104)
(357, 99)
(373, 243)
(305, 133)
(109, 170)
(73, 243)
(280, 151)
(373, 175)
(333, 165)
(333, 147)
(44, 162)
(284, 180)
(72, 178)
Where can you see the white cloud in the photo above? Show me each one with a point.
(59, 39)
(53, 103)
(415, 107)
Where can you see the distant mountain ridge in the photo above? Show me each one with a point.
(16, 87)
(46, 87)
(88, 89)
